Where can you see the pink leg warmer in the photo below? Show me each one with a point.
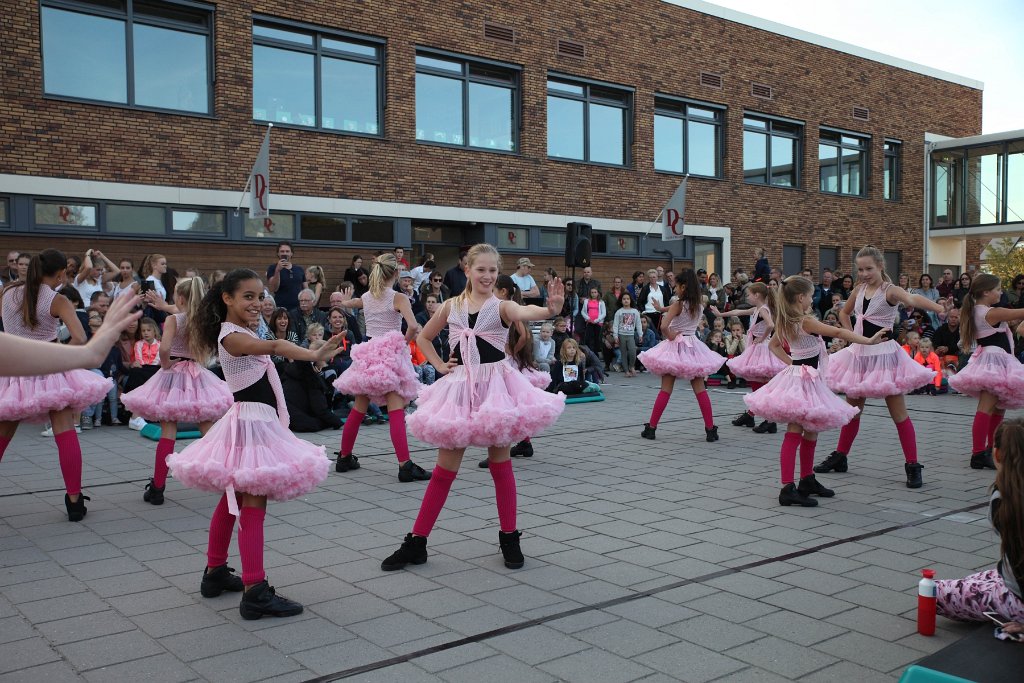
(250, 544)
(350, 431)
(222, 523)
(164, 447)
(704, 401)
(993, 423)
(399, 439)
(807, 457)
(69, 452)
(847, 434)
(787, 456)
(979, 431)
(505, 494)
(908, 440)
(660, 404)
(433, 500)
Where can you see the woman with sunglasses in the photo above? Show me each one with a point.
(960, 289)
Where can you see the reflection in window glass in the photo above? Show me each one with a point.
(208, 222)
(842, 159)
(828, 168)
(373, 230)
(84, 56)
(490, 117)
(622, 244)
(1015, 176)
(282, 86)
(147, 220)
(565, 128)
(65, 214)
(170, 69)
(783, 160)
(3, 211)
(984, 185)
(549, 239)
(948, 173)
(606, 134)
(326, 228)
(702, 148)
(281, 34)
(513, 238)
(852, 163)
(891, 171)
(755, 157)
(668, 144)
(348, 46)
(438, 109)
(349, 95)
(274, 227)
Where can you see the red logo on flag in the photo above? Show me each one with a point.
(260, 182)
(673, 219)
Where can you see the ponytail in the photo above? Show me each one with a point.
(192, 291)
(785, 308)
(968, 328)
(1008, 514)
(46, 263)
(383, 269)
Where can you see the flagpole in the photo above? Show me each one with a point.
(248, 180)
(661, 213)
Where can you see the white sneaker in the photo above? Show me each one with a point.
(48, 431)
(136, 423)
(86, 422)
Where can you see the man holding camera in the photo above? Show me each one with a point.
(284, 279)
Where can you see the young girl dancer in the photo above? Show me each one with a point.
(249, 456)
(993, 375)
(997, 590)
(757, 364)
(799, 395)
(381, 370)
(882, 371)
(520, 356)
(32, 309)
(183, 390)
(682, 355)
(482, 400)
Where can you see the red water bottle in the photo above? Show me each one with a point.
(926, 597)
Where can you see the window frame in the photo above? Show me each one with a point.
(318, 34)
(803, 258)
(57, 227)
(721, 113)
(5, 213)
(892, 149)
(128, 16)
(587, 99)
(769, 132)
(465, 77)
(864, 149)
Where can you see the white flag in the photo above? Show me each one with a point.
(672, 222)
(259, 182)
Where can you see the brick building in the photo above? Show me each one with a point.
(131, 125)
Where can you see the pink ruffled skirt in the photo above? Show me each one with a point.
(32, 399)
(251, 451)
(498, 407)
(800, 395)
(876, 371)
(756, 364)
(537, 378)
(187, 392)
(992, 369)
(379, 367)
(686, 357)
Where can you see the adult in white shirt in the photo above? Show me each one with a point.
(155, 266)
(419, 275)
(527, 285)
(95, 274)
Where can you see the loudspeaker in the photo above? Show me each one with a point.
(577, 244)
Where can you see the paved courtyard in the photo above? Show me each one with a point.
(653, 561)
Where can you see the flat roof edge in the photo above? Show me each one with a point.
(806, 36)
(952, 143)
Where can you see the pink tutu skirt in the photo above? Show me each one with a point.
(993, 370)
(537, 378)
(876, 371)
(498, 408)
(32, 399)
(756, 364)
(187, 392)
(686, 357)
(379, 367)
(799, 394)
(249, 449)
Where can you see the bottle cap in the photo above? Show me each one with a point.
(928, 573)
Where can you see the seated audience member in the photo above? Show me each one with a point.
(568, 373)
(947, 341)
(424, 370)
(306, 394)
(305, 315)
(561, 333)
(544, 348)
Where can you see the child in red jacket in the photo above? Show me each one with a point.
(927, 357)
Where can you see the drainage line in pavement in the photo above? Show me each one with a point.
(512, 628)
(84, 486)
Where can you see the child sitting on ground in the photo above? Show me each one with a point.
(927, 357)
(544, 348)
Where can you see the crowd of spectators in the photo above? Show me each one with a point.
(609, 321)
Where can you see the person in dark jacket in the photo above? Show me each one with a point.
(305, 393)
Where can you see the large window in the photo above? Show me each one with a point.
(304, 76)
(152, 54)
(828, 257)
(792, 259)
(136, 219)
(892, 170)
(346, 229)
(466, 102)
(842, 162)
(771, 151)
(588, 121)
(65, 215)
(688, 137)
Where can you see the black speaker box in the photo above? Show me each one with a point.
(577, 244)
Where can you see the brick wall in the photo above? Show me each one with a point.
(650, 45)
